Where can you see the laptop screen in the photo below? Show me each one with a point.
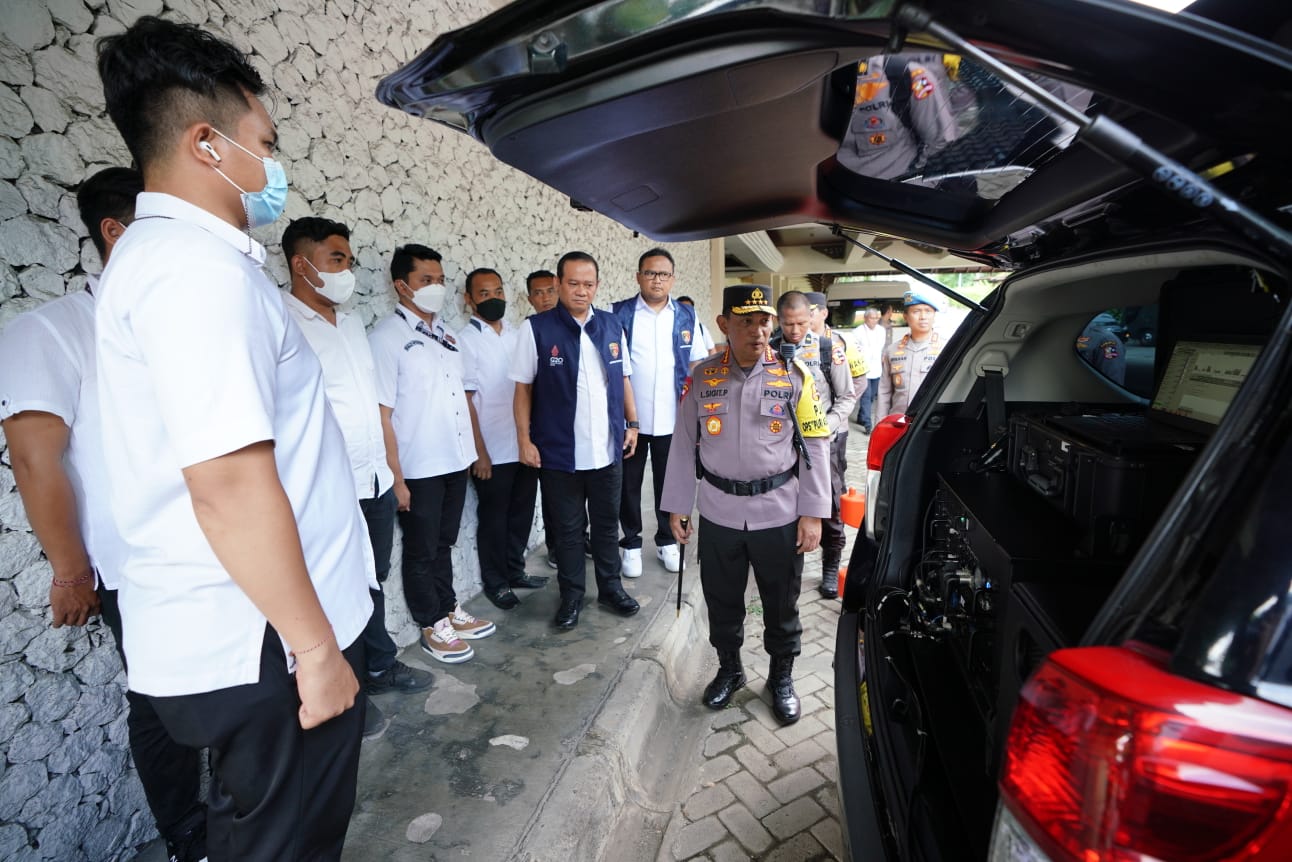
(1202, 377)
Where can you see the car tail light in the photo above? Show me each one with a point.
(1111, 758)
(884, 436)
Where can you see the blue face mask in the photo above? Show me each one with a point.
(265, 206)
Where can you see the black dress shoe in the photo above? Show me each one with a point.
(619, 602)
(503, 598)
(530, 582)
(567, 615)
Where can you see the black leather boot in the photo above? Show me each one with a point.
(730, 679)
(830, 558)
(780, 682)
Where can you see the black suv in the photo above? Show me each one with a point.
(1069, 635)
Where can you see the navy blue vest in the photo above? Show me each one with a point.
(684, 333)
(551, 420)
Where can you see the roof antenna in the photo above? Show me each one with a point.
(1118, 144)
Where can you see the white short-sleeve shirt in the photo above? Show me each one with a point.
(349, 375)
(198, 357)
(47, 365)
(654, 384)
(488, 354)
(421, 377)
(593, 448)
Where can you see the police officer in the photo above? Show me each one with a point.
(752, 428)
(907, 361)
(1101, 347)
(825, 357)
(901, 115)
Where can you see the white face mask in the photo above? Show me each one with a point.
(337, 286)
(430, 298)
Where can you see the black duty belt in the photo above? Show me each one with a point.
(750, 487)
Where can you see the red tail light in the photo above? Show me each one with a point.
(883, 436)
(1113, 759)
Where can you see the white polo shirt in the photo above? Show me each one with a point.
(349, 374)
(488, 353)
(593, 448)
(199, 358)
(47, 365)
(870, 342)
(421, 377)
(654, 386)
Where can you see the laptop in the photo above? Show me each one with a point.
(1196, 389)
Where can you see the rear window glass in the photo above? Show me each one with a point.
(1121, 344)
(943, 122)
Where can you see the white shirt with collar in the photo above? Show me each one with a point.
(422, 378)
(871, 343)
(349, 375)
(593, 448)
(489, 354)
(47, 365)
(654, 385)
(198, 358)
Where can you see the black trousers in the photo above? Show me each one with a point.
(630, 506)
(379, 513)
(832, 535)
(170, 773)
(277, 792)
(726, 556)
(577, 498)
(430, 528)
(505, 514)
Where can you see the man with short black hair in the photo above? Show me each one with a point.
(49, 408)
(505, 488)
(540, 286)
(319, 260)
(662, 345)
(575, 421)
(231, 486)
(431, 427)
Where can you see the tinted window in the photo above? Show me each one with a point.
(1121, 344)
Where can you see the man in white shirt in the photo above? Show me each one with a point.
(575, 421)
(506, 489)
(870, 339)
(49, 409)
(662, 343)
(319, 260)
(246, 551)
(430, 426)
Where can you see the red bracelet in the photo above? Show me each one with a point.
(73, 582)
(301, 652)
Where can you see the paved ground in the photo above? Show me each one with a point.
(592, 745)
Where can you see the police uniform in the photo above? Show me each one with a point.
(1100, 346)
(901, 115)
(906, 362)
(735, 448)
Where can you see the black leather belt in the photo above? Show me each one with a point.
(751, 487)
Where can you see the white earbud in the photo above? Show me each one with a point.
(206, 145)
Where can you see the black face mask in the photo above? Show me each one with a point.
(491, 309)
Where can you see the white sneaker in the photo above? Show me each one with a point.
(632, 562)
(670, 556)
(440, 642)
(468, 627)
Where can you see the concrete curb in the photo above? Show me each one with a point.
(617, 790)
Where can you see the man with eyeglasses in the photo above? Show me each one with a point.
(662, 344)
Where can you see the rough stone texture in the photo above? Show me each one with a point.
(392, 178)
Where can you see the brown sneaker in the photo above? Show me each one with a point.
(468, 627)
(440, 642)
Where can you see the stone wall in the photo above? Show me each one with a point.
(67, 789)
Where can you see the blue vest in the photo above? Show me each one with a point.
(551, 420)
(684, 333)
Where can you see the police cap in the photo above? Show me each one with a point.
(912, 297)
(816, 298)
(747, 299)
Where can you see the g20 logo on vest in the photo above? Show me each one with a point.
(556, 358)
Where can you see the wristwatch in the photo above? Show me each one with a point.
(634, 424)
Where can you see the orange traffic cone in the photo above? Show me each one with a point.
(852, 508)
